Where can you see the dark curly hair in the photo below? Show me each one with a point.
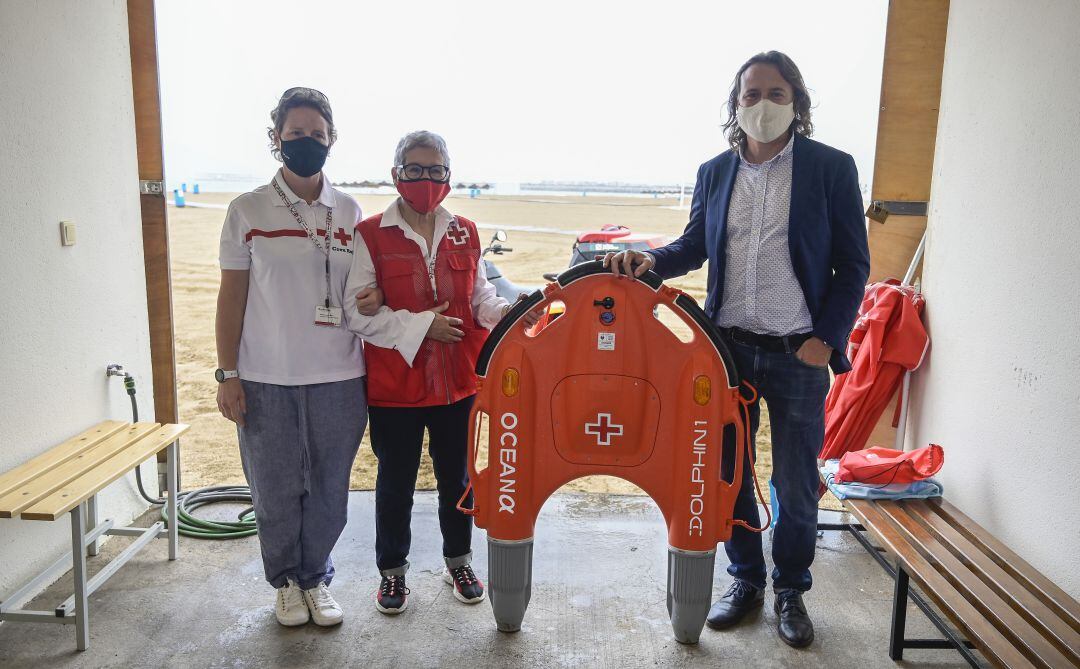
(790, 72)
(299, 96)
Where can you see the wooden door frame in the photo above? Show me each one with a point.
(146, 92)
(907, 128)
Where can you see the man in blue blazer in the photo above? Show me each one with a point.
(780, 219)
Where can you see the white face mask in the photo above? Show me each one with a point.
(766, 120)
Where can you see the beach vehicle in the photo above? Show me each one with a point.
(592, 244)
(504, 287)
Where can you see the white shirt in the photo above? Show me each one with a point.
(402, 329)
(761, 291)
(280, 342)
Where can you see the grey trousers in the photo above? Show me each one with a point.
(297, 449)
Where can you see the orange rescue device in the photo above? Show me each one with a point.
(606, 388)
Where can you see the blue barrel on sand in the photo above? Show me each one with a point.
(178, 198)
(183, 188)
(195, 189)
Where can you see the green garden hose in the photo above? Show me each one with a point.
(188, 501)
(190, 526)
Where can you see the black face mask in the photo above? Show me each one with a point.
(304, 156)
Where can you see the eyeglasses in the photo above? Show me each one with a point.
(415, 171)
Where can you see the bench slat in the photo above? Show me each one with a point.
(58, 455)
(67, 498)
(48, 482)
(1053, 596)
(998, 649)
(1033, 609)
(994, 608)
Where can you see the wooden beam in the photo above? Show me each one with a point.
(907, 127)
(142, 36)
(907, 132)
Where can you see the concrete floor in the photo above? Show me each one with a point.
(598, 601)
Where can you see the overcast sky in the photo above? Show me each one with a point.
(558, 90)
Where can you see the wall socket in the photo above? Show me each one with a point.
(67, 233)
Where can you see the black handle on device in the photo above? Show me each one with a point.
(650, 279)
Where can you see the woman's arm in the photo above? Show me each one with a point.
(398, 329)
(489, 308)
(231, 304)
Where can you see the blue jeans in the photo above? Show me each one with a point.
(795, 393)
(297, 448)
(397, 439)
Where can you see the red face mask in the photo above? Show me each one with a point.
(423, 195)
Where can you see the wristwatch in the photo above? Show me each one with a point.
(222, 375)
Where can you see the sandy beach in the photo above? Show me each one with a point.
(210, 452)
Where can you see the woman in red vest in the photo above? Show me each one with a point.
(438, 307)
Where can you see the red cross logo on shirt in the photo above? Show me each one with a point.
(458, 234)
(342, 236)
(603, 429)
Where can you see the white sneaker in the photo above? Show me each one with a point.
(324, 610)
(290, 608)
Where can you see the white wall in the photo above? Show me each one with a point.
(67, 152)
(1001, 391)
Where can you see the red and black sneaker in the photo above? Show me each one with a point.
(393, 596)
(467, 588)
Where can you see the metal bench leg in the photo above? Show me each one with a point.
(78, 559)
(174, 522)
(899, 615)
(91, 523)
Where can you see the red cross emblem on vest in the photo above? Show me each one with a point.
(342, 236)
(603, 429)
(458, 234)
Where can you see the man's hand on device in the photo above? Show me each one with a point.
(629, 263)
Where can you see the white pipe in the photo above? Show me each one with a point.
(901, 427)
(915, 260)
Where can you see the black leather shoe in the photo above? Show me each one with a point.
(740, 599)
(794, 625)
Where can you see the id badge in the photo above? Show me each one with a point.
(327, 316)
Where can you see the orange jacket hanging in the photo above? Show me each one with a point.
(888, 339)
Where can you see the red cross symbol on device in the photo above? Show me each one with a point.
(458, 234)
(342, 236)
(603, 429)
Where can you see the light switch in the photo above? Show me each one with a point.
(67, 233)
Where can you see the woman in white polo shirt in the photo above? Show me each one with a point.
(290, 372)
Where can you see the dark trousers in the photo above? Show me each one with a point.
(397, 436)
(795, 393)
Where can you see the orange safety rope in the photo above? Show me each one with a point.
(473, 511)
(748, 436)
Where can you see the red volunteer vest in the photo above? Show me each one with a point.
(440, 373)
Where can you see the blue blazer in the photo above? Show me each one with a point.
(826, 235)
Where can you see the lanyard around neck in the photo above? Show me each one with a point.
(325, 246)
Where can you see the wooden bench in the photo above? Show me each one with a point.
(66, 480)
(1001, 606)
